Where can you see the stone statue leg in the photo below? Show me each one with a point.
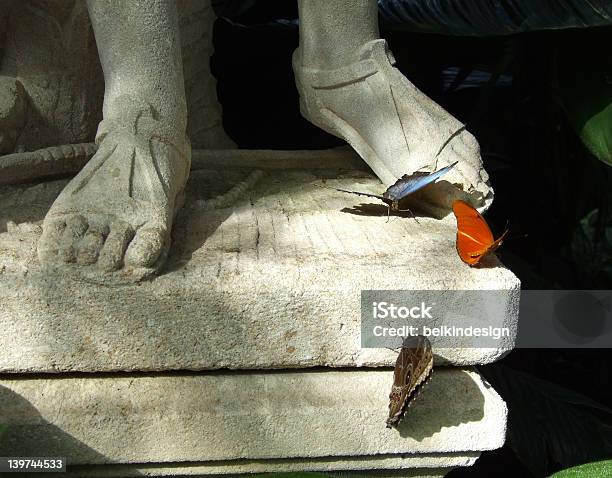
(113, 220)
(349, 87)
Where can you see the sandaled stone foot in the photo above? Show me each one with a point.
(112, 222)
(392, 125)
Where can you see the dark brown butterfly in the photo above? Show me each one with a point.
(413, 368)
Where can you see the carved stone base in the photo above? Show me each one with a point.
(266, 271)
(231, 423)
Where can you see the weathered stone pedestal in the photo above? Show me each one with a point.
(264, 278)
(208, 423)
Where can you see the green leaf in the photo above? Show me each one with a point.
(588, 470)
(596, 134)
(592, 246)
(586, 93)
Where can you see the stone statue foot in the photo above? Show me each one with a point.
(393, 126)
(112, 222)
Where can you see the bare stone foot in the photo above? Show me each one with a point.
(112, 222)
(393, 126)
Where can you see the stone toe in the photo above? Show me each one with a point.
(112, 253)
(146, 247)
(76, 226)
(88, 249)
(50, 240)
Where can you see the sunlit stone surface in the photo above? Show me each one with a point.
(265, 271)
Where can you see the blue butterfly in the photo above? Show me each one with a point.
(403, 187)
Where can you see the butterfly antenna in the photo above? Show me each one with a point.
(506, 228)
(396, 348)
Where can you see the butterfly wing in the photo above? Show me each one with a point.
(410, 183)
(382, 198)
(474, 237)
(413, 368)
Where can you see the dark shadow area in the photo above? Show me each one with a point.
(378, 210)
(189, 232)
(28, 434)
(27, 202)
(420, 422)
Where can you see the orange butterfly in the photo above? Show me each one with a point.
(474, 237)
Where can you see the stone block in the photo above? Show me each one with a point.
(239, 422)
(266, 271)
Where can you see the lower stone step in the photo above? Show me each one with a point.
(397, 467)
(246, 422)
(361, 467)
